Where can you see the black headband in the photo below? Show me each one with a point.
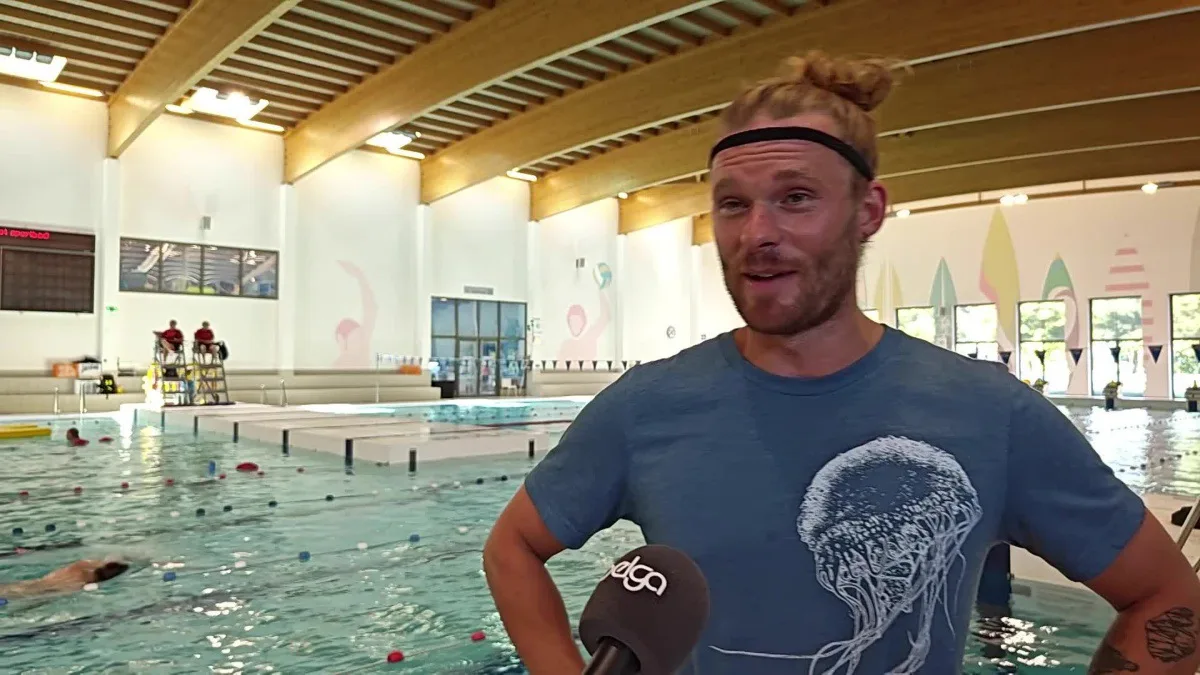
(795, 134)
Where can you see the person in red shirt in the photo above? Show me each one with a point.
(170, 340)
(205, 339)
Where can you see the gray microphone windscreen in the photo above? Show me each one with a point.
(653, 600)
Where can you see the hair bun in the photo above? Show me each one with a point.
(865, 83)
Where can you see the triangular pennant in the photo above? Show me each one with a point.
(1041, 356)
(1196, 350)
(593, 365)
(624, 365)
(610, 364)
(1116, 352)
(543, 364)
(974, 355)
(1076, 354)
(1005, 356)
(1155, 350)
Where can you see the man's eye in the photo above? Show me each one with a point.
(796, 197)
(730, 205)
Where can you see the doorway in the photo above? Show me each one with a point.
(479, 345)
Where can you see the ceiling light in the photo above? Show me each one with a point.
(235, 105)
(1013, 200)
(72, 89)
(411, 154)
(179, 109)
(903, 213)
(263, 126)
(30, 65)
(391, 140)
(622, 195)
(527, 177)
(1150, 188)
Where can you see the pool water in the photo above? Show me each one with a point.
(346, 607)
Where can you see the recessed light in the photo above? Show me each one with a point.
(903, 213)
(527, 177)
(72, 89)
(1150, 188)
(622, 195)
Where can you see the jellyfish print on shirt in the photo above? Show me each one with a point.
(886, 522)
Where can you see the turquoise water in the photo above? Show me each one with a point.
(345, 608)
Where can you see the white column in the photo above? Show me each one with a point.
(621, 280)
(535, 309)
(108, 261)
(289, 280)
(694, 295)
(422, 281)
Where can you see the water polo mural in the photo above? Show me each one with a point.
(1058, 286)
(585, 331)
(999, 281)
(353, 335)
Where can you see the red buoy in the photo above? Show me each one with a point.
(221, 477)
(106, 439)
(396, 657)
(170, 482)
(24, 493)
(247, 466)
(478, 636)
(124, 486)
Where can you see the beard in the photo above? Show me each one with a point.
(808, 297)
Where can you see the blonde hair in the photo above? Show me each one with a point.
(847, 90)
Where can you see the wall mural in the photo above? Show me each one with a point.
(1127, 276)
(943, 298)
(1058, 286)
(999, 281)
(353, 336)
(583, 345)
(887, 292)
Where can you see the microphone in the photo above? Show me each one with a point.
(646, 614)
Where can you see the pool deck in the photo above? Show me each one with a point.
(1025, 565)
(375, 438)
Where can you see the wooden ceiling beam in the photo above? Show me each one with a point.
(402, 15)
(979, 85)
(343, 34)
(117, 21)
(384, 29)
(509, 38)
(326, 45)
(710, 75)
(204, 36)
(54, 40)
(162, 17)
(441, 9)
(265, 44)
(77, 28)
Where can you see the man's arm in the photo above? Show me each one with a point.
(1067, 506)
(1157, 597)
(576, 491)
(530, 605)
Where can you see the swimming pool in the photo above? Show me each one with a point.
(242, 600)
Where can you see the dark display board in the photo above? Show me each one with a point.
(45, 271)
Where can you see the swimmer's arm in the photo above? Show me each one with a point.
(530, 605)
(23, 589)
(1157, 597)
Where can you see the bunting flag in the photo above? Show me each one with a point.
(1155, 350)
(974, 355)
(610, 364)
(1196, 350)
(1041, 356)
(624, 365)
(1076, 354)
(1005, 356)
(1116, 352)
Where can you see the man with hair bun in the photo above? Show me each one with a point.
(838, 482)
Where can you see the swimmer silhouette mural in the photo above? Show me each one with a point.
(886, 522)
(583, 344)
(353, 336)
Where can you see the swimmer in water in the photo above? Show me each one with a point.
(69, 579)
(73, 438)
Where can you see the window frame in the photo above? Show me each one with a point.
(1172, 338)
(1092, 340)
(204, 248)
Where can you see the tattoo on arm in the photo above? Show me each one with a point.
(1110, 660)
(1171, 636)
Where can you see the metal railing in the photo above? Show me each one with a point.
(57, 409)
(283, 392)
(82, 400)
(262, 394)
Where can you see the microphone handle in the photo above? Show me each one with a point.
(612, 658)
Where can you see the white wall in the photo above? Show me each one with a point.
(177, 171)
(357, 248)
(577, 310)
(656, 314)
(715, 313)
(477, 238)
(51, 149)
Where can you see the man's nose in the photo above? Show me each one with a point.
(759, 228)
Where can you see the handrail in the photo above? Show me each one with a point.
(283, 392)
(56, 408)
(262, 394)
(1189, 525)
(82, 400)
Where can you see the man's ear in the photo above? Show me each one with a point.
(872, 210)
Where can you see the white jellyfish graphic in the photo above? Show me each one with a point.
(885, 521)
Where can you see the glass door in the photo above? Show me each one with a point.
(488, 368)
(468, 367)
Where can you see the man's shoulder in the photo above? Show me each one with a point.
(693, 368)
(951, 369)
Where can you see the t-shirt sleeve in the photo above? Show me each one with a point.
(579, 488)
(1064, 503)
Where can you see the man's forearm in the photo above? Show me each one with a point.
(533, 612)
(1153, 638)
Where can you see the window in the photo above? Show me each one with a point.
(919, 322)
(975, 331)
(1185, 334)
(479, 344)
(872, 314)
(1042, 345)
(1117, 345)
(170, 267)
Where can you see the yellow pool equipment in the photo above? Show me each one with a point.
(23, 431)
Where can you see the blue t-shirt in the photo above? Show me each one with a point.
(841, 521)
